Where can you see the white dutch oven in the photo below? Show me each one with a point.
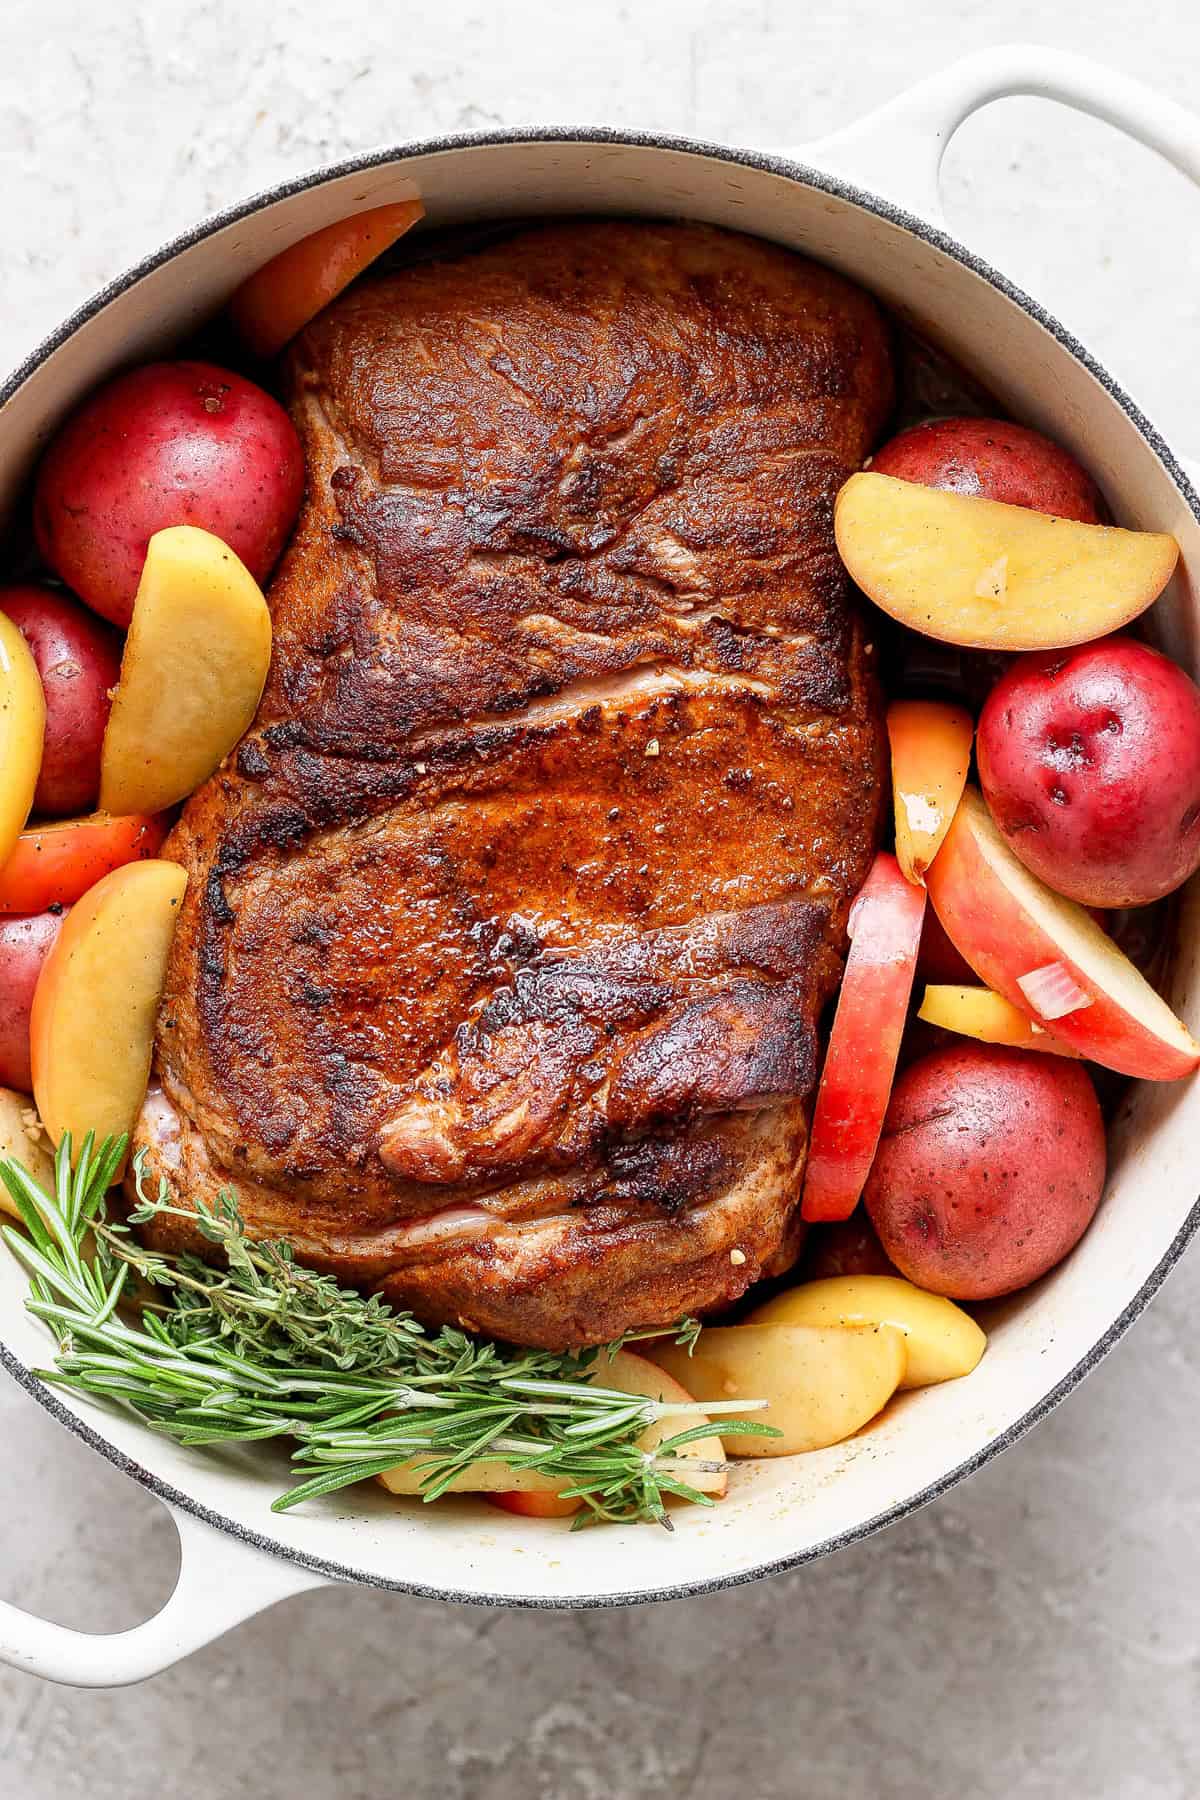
(866, 202)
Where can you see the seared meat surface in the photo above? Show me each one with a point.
(511, 920)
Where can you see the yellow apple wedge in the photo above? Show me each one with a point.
(22, 730)
(1023, 940)
(976, 1012)
(487, 1476)
(994, 577)
(92, 1022)
(628, 1374)
(192, 674)
(17, 1141)
(931, 757)
(823, 1385)
(942, 1341)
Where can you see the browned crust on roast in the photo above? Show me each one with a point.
(526, 889)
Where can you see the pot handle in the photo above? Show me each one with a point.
(222, 1582)
(897, 150)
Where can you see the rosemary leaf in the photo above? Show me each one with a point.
(256, 1346)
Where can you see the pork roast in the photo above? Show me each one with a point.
(510, 922)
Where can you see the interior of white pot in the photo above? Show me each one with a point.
(782, 1508)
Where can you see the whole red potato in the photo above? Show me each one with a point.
(845, 1247)
(989, 1170)
(172, 443)
(79, 660)
(25, 943)
(995, 461)
(939, 962)
(1090, 762)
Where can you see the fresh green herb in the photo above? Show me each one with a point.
(258, 1346)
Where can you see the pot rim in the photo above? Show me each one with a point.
(792, 169)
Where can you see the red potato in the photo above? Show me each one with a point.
(939, 963)
(844, 1247)
(56, 864)
(921, 668)
(999, 461)
(24, 946)
(79, 660)
(1090, 763)
(864, 1042)
(181, 443)
(990, 1168)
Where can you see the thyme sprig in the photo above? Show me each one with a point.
(256, 1346)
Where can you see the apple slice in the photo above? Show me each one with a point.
(976, 1012)
(530, 1492)
(279, 299)
(490, 1475)
(195, 662)
(22, 732)
(637, 1375)
(1024, 940)
(55, 864)
(942, 1341)
(931, 756)
(535, 1506)
(92, 1023)
(633, 1374)
(20, 1141)
(822, 1385)
(995, 577)
(860, 1063)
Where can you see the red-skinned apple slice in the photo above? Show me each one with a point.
(860, 1063)
(278, 300)
(1014, 930)
(700, 1463)
(55, 863)
(531, 1505)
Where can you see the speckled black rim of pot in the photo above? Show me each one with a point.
(895, 215)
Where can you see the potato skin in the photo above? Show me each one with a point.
(1089, 760)
(25, 943)
(172, 443)
(995, 460)
(79, 660)
(939, 961)
(990, 1168)
(846, 1247)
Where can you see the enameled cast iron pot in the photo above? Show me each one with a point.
(236, 1556)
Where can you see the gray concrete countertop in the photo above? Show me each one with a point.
(1035, 1635)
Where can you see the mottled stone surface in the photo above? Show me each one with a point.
(1036, 1634)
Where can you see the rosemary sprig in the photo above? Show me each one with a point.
(259, 1346)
